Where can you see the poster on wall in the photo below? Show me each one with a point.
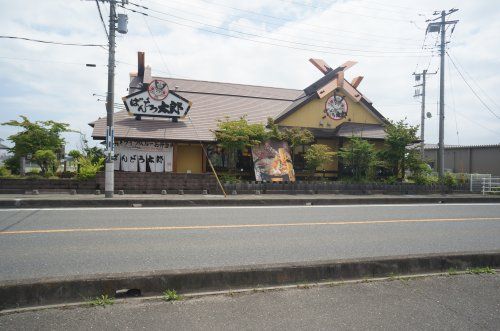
(272, 162)
(136, 156)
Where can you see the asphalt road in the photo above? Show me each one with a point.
(58, 242)
(463, 302)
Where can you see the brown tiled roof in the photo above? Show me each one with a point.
(211, 101)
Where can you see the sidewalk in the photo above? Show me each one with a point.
(172, 200)
(461, 302)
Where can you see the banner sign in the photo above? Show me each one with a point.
(272, 162)
(138, 156)
(157, 100)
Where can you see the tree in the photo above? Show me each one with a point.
(317, 155)
(360, 158)
(238, 135)
(398, 153)
(47, 160)
(75, 154)
(35, 136)
(294, 136)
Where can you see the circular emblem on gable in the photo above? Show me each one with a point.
(336, 107)
(158, 89)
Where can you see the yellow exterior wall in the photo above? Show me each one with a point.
(311, 114)
(189, 157)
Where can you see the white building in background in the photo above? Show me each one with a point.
(4, 152)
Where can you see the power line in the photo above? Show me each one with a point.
(336, 11)
(102, 19)
(475, 82)
(301, 30)
(265, 42)
(156, 44)
(320, 27)
(350, 13)
(390, 6)
(276, 39)
(50, 42)
(454, 106)
(45, 61)
(470, 87)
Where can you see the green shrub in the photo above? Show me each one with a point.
(228, 178)
(449, 180)
(4, 172)
(88, 170)
(318, 155)
(391, 180)
(47, 160)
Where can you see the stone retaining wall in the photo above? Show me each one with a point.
(316, 187)
(154, 183)
(130, 182)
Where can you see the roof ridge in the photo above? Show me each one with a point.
(240, 84)
(237, 95)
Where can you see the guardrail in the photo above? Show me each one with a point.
(491, 185)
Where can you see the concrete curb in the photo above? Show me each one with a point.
(15, 294)
(143, 202)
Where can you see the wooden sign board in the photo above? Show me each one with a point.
(157, 101)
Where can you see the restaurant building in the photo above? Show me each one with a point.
(332, 108)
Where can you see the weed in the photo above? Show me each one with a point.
(103, 301)
(479, 270)
(452, 272)
(392, 276)
(304, 286)
(171, 295)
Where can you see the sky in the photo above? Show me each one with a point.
(259, 42)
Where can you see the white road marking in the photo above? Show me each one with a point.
(253, 207)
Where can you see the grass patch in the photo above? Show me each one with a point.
(452, 272)
(304, 286)
(481, 270)
(103, 301)
(392, 276)
(171, 295)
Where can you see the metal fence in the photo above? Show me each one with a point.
(490, 185)
(476, 182)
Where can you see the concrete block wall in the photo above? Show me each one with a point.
(155, 182)
(316, 187)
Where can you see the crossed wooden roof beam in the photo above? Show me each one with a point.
(338, 81)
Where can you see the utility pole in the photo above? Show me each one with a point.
(121, 20)
(109, 179)
(440, 27)
(422, 75)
